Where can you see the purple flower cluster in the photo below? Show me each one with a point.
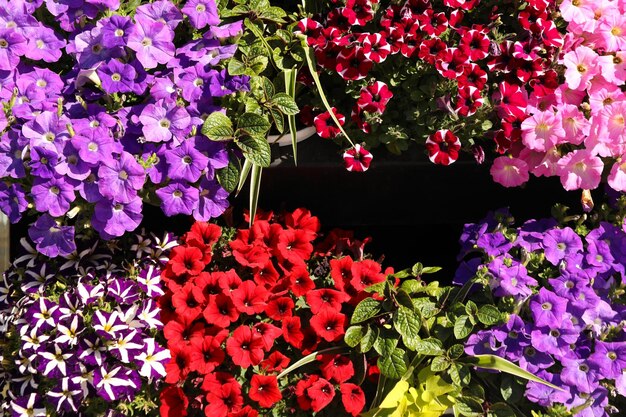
(104, 113)
(564, 292)
(80, 331)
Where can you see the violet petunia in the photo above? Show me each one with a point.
(213, 200)
(53, 195)
(119, 179)
(66, 396)
(112, 219)
(44, 44)
(201, 13)
(152, 42)
(558, 243)
(95, 145)
(178, 198)
(117, 77)
(185, 162)
(153, 359)
(165, 120)
(547, 308)
(12, 46)
(13, 201)
(115, 31)
(161, 11)
(52, 239)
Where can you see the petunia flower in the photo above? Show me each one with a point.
(111, 383)
(245, 347)
(509, 171)
(165, 120)
(117, 77)
(116, 30)
(201, 13)
(67, 396)
(212, 202)
(13, 201)
(151, 41)
(178, 198)
(12, 46)
(152, 358)
(68, 332)
(52, 239)
(357, 159)
(44, 44)
(113, 219)
(443, 147)
(264, 390)
(119, 179)
(185, 162)
(54, 363)
(580, 169)
(28, 406)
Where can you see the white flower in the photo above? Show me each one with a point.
(153, 362)
(69, 334)
(29, 409)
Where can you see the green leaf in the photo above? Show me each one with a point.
(429, 347)
(462, 327)
(439, 364)
(459, 374)
(257, 65)
(369, 339)
(430, 269)
(247, 165)
(278, 119)
(426, 307)
(385, 345)
(285, 103)
(404, 299)
(408, 324)
(256, 149)
(236, 67)
(500, 364)
(489, 315)
(228, 177)
(392, 399)
(255, 189)
(455, 351)
(469, 407)
(218, 127)
(353, 336)
(253, 124)
(393, 365)
(268, 87)
(417, 269)
(471, 309)
(365, 310)
(290, 87)
(500, 410)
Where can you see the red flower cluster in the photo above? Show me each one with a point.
(460, 40)
(242, 305)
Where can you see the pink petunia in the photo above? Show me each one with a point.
(581, 67)
(575, 125)
(617, 176)
(580, 169)
(577, 11)
(542, 131)
(611, 32)
(509, 171)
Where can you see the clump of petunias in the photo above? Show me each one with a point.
(562, 286)
(81, 334)
(102, 112)
(411, 69)
(242, 305)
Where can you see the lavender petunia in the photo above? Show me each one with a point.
(225, 31)
(213, 200)
(201, 13)
(46, 131)
(52, 195)
(44, 44)
(96, 145)
(52, 239)
(12, 46)
(72, 165)
(119, 179)
(115, 31)
(112, 219)
(13, 201)
(165, 120)
(117, 77)
(558, 243)
(610, 358)
(151, 41)
(185, 162)
(547, 308)
(12, 149)
(161, 11)
(178, 198)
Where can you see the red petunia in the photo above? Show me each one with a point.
(174, 402)
(353, 398)
(321, 393)
(302, 219)
(366, 273)
(228, 281)
(208, 284)
(224, 401)
(328, 324)
(301, 391)
(247, 252)
(275, 362)
(357, 159)
(247, 411)
(188, 301)
(443, 147)
(325, 298)
(338, 368)
(269, 333)
(292, 331)
(325, 125)
(266, 276)
(375, 47)
(206, 354)
(181, 331)
(475, 44)
(280, 308)
(186, 260)
(245, 347)
(264, 390)
(220, 311)
(177, 368)
(352, 64)
(300, 281)
(374, 97)
(341, 271)
(249, 298)
(358, 12)
(203, 234)
(310, 341)
(294, 245)
(214, 381)
(468, 101)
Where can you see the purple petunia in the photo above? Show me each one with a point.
(201, 13)
(52, 239)
(213, 200)
(117, 77)
(13, 201)
(12, 46)
(165, 120)
(53, 195)
(178, 198)
(559, 243)
(151, 41)
(115, 31)
(185, 162)
(113, 219)
(119, 179)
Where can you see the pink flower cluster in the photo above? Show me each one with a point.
(578, 131)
